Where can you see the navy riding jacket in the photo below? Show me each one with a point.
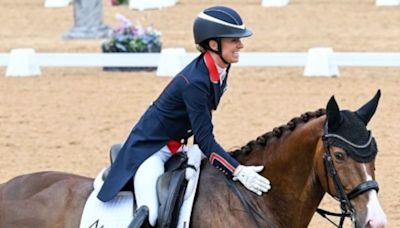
(183, 109)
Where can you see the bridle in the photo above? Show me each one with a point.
(347, 209)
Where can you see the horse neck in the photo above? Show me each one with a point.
(290, 164)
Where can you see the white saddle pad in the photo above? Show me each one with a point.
(115, 213)
(187, 205)
(194, 158)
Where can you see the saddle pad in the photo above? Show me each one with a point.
(187, 205)
(117, 212)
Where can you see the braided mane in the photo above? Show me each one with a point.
(277, 132)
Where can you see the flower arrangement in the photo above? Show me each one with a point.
(132, 38)
(118, 2)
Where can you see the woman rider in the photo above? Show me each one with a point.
(184, 109)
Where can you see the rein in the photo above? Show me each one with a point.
(347, 209)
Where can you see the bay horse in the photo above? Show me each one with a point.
(326, 151)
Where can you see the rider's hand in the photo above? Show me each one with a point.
(249, 177)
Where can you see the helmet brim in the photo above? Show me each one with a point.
(241, 34)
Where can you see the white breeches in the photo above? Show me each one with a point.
(145, 181)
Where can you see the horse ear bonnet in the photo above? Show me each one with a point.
(352, 126)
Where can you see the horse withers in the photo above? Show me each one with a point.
(326, 151)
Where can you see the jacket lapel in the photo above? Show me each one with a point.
(217, 95)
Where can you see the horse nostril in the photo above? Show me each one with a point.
(376, 224)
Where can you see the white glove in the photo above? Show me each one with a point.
(249, 177)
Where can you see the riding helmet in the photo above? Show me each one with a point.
(219, 22)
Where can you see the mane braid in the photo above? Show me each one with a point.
(277, 132)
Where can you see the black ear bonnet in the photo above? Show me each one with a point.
(353, 136)
(348, 130)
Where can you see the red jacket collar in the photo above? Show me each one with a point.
(212, 68)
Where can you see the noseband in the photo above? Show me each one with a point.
(347, 209)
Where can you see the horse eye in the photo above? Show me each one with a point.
(339, 156)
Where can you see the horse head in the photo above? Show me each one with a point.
(326, 151)
(347, 173)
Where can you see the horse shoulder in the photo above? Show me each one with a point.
(215, 206)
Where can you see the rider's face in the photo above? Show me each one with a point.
(231, 48)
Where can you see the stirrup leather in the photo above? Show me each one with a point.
(141, 218)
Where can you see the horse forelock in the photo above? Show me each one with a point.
(277, 132)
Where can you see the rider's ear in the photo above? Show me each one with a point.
(333, 114)
(368, 110)
(213, 44)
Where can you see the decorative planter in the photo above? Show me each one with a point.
(153, 49)
(132, 38)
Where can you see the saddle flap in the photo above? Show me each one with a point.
(171, 190)
(178, 161)
(163, 186)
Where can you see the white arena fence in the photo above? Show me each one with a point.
(317, 61)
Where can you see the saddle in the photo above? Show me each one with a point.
(171, 187)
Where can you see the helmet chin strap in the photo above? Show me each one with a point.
(219, 51)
